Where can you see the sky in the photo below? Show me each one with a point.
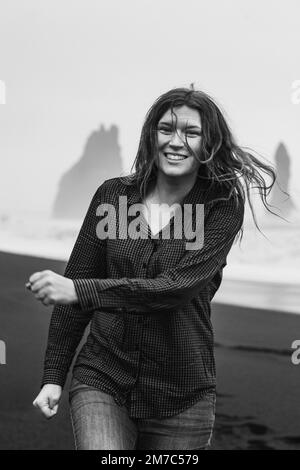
(70, 66)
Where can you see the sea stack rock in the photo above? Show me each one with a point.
(101, 160)
(277, 198)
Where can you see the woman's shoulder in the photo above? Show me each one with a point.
(119, 185)
(226, 202)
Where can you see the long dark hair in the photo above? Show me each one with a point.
(222, 161)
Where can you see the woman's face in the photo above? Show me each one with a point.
(174, 157)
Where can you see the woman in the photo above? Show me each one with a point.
(145, 378)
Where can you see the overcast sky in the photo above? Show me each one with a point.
(70, 65)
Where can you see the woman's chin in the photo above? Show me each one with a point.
(173, 172)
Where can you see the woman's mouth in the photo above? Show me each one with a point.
(175, 157)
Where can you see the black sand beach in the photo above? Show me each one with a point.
(258, 386)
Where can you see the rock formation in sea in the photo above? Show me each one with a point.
(284, 204)
(100, 160)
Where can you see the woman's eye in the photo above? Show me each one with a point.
(165, 131)
(194, 134)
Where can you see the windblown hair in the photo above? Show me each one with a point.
(222, 161)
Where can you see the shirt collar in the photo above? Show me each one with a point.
(202, 192)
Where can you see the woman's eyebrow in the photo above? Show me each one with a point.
(188, 127)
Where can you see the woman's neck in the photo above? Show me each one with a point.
(171, 190)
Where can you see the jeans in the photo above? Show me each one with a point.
(100, 424)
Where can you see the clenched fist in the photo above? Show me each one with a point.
(51, 288)
(48, 399)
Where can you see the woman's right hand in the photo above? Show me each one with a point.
(48, 399)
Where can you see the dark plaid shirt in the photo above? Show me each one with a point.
(150, 343)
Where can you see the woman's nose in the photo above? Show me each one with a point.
(176, 140)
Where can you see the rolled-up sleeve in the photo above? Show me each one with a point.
(68, 322)
(175, 287)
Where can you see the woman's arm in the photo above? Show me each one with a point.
(175, 287)
(68, 322)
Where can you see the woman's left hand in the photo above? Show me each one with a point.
(51, 288)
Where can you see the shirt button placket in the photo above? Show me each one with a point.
(155, 244)
(140, 323)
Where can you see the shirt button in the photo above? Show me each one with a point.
(121, 310)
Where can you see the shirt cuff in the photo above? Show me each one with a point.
(54, 376)
(87, 294)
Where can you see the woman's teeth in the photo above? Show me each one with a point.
(174, 156)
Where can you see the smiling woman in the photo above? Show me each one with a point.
(146, 377)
